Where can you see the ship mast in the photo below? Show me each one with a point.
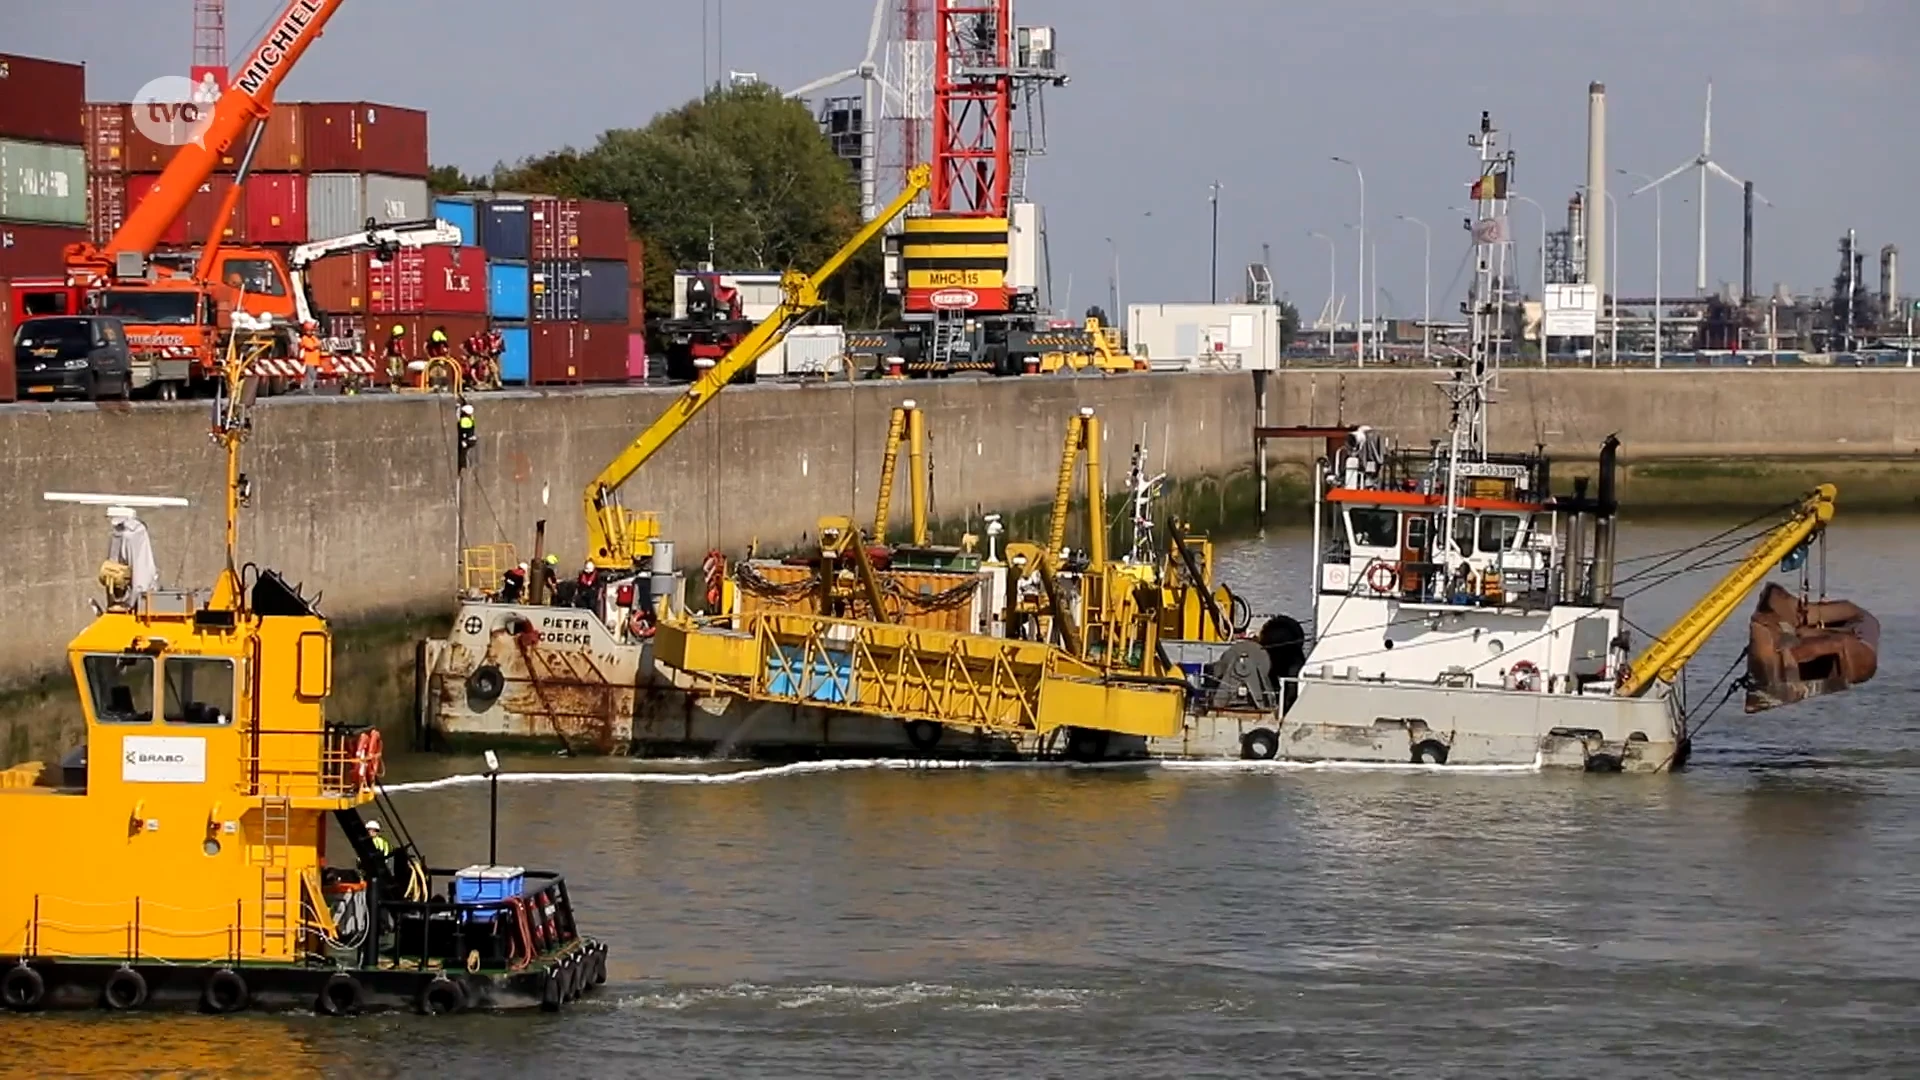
(232, 423)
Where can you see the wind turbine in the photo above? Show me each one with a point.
(869, 75)
(1705, 164)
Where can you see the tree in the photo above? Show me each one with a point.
(1289, 324)
(448, 179)
(741, 177)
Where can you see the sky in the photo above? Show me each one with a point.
(1812, 103)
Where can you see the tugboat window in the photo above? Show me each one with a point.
(199, 690)
(122, 688)
(1375, 528)
(1497, 532)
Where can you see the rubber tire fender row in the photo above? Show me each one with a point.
(22, 989)
(124, 990)
(226, 992)
(486, 684)
(1260, 744)
(440, 997)
(600, 966)
(553, 996)
(340, 995)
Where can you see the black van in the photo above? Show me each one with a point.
(72, 356)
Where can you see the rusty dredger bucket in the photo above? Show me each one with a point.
(1801, 649)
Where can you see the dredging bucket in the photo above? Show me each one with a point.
(1801, 649)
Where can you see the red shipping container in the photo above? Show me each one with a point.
(42, 100)
(7, 388)
(203, 212)
(578, 229)
(636, 309)
(438, 280)
(636, 262)
(106, 139)
(339, 284)
(106, 205)
(276, 208)
(361, 137)
(36, 250)
(419, 328)
(282, 145)
(564, 353)
(143, 155)
(636, 357)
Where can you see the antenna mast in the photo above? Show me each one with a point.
(1489, 299)
(210, 42)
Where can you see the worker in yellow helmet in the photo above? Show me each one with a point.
(396, 354)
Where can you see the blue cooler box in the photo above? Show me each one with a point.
(488, 884)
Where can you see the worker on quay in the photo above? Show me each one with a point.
(437, 343)
(550, 576)
(396, 355)
(309, 356)
(513, 584)
(587, 587)
(380, 843)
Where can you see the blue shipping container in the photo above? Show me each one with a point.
(603, 290)
(516, 365)
(506, 229)
(573, 290)
(508, 288)
(461, 215)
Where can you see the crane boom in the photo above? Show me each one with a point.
(1665, 655)
(611, 538)
(246, 101)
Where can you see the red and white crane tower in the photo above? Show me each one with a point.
(987, 78)
(209, 43)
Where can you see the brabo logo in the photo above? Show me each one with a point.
(136, 757)
(174, 111)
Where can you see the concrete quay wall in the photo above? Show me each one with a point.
(354, 498)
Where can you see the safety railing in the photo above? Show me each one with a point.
(341, 762)
(141, 930)
(482, 568)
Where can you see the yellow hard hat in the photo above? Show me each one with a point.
(399, 331)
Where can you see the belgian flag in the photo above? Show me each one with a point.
(1490, 186)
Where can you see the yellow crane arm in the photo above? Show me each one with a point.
(609, 534)
(1665, 655)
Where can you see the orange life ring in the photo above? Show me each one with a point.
(715, 569)
(639, 625)
(1525, 675)
(369, 760)
(1382, 577)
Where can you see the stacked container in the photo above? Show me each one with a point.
(43, 165)
(581, 287)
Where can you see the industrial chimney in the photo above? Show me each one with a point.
(1596, 208)
(1746, 248)
(1889, 282)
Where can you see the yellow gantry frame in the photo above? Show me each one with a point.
(910, 424)
(1083, 436)
(615, 536)
(1665, 655)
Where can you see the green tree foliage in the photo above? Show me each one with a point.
(742, 176)
(446, 180)
(1289, 324)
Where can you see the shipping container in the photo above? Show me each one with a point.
(106, 138)
(580, 291)
(636, 262)
(577, 229)
(556, 291)
(42, 100)
(339, 204)
(565, 353)
(276, 208)
(202, 215)
(636, 357)
(514, 363)
(362, 137)
(143, 155)
(36, 250)
(508, 290)
(504, 230)
(419, 327)
(604, 291)
(282, 145)
(43, 183)
(636, 309)
(434, 280)
(106, 205)
(7, 388)
(339, 284)
(462, 215)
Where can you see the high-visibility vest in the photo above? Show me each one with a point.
(310, 350)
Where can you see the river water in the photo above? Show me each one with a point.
(1757, 915)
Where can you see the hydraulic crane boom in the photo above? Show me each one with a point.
(247, 101)
(1665, 655)
(611, 533)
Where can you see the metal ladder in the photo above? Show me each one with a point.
(949, 336)
(276, 881)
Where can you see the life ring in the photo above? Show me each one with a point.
(1525, 675)
(486, 684)
(225, 992)
(1260, 744)
(340, 995)
(1382, 577)
(125, 989)
(441, 996)
(924, 734)
(715, 571)
(368, 758)
(639, 625)
(23, 989)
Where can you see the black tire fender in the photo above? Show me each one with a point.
(1260, 744)
(600, 966)
(340, 995)
(225, 992)
(1430, 752)
(552, 997)
(1087, 745)
(441, 996)
(23, 989)
(125, 990)
(924, 735)
(1604, 763)
(486, 683)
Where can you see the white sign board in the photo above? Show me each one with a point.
(1571, 311)
(145, 759)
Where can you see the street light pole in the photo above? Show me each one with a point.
(1659, 262)
(1543, 242)
(1613, 260)
(1426, 289)
(1360, 300)
(1213, 288)
(1113, 281)
(1333, 286)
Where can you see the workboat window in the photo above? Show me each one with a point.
(1497, 532)
(1374, 528)
(199, 690)
(121, 687)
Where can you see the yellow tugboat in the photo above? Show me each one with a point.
(179, 854)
